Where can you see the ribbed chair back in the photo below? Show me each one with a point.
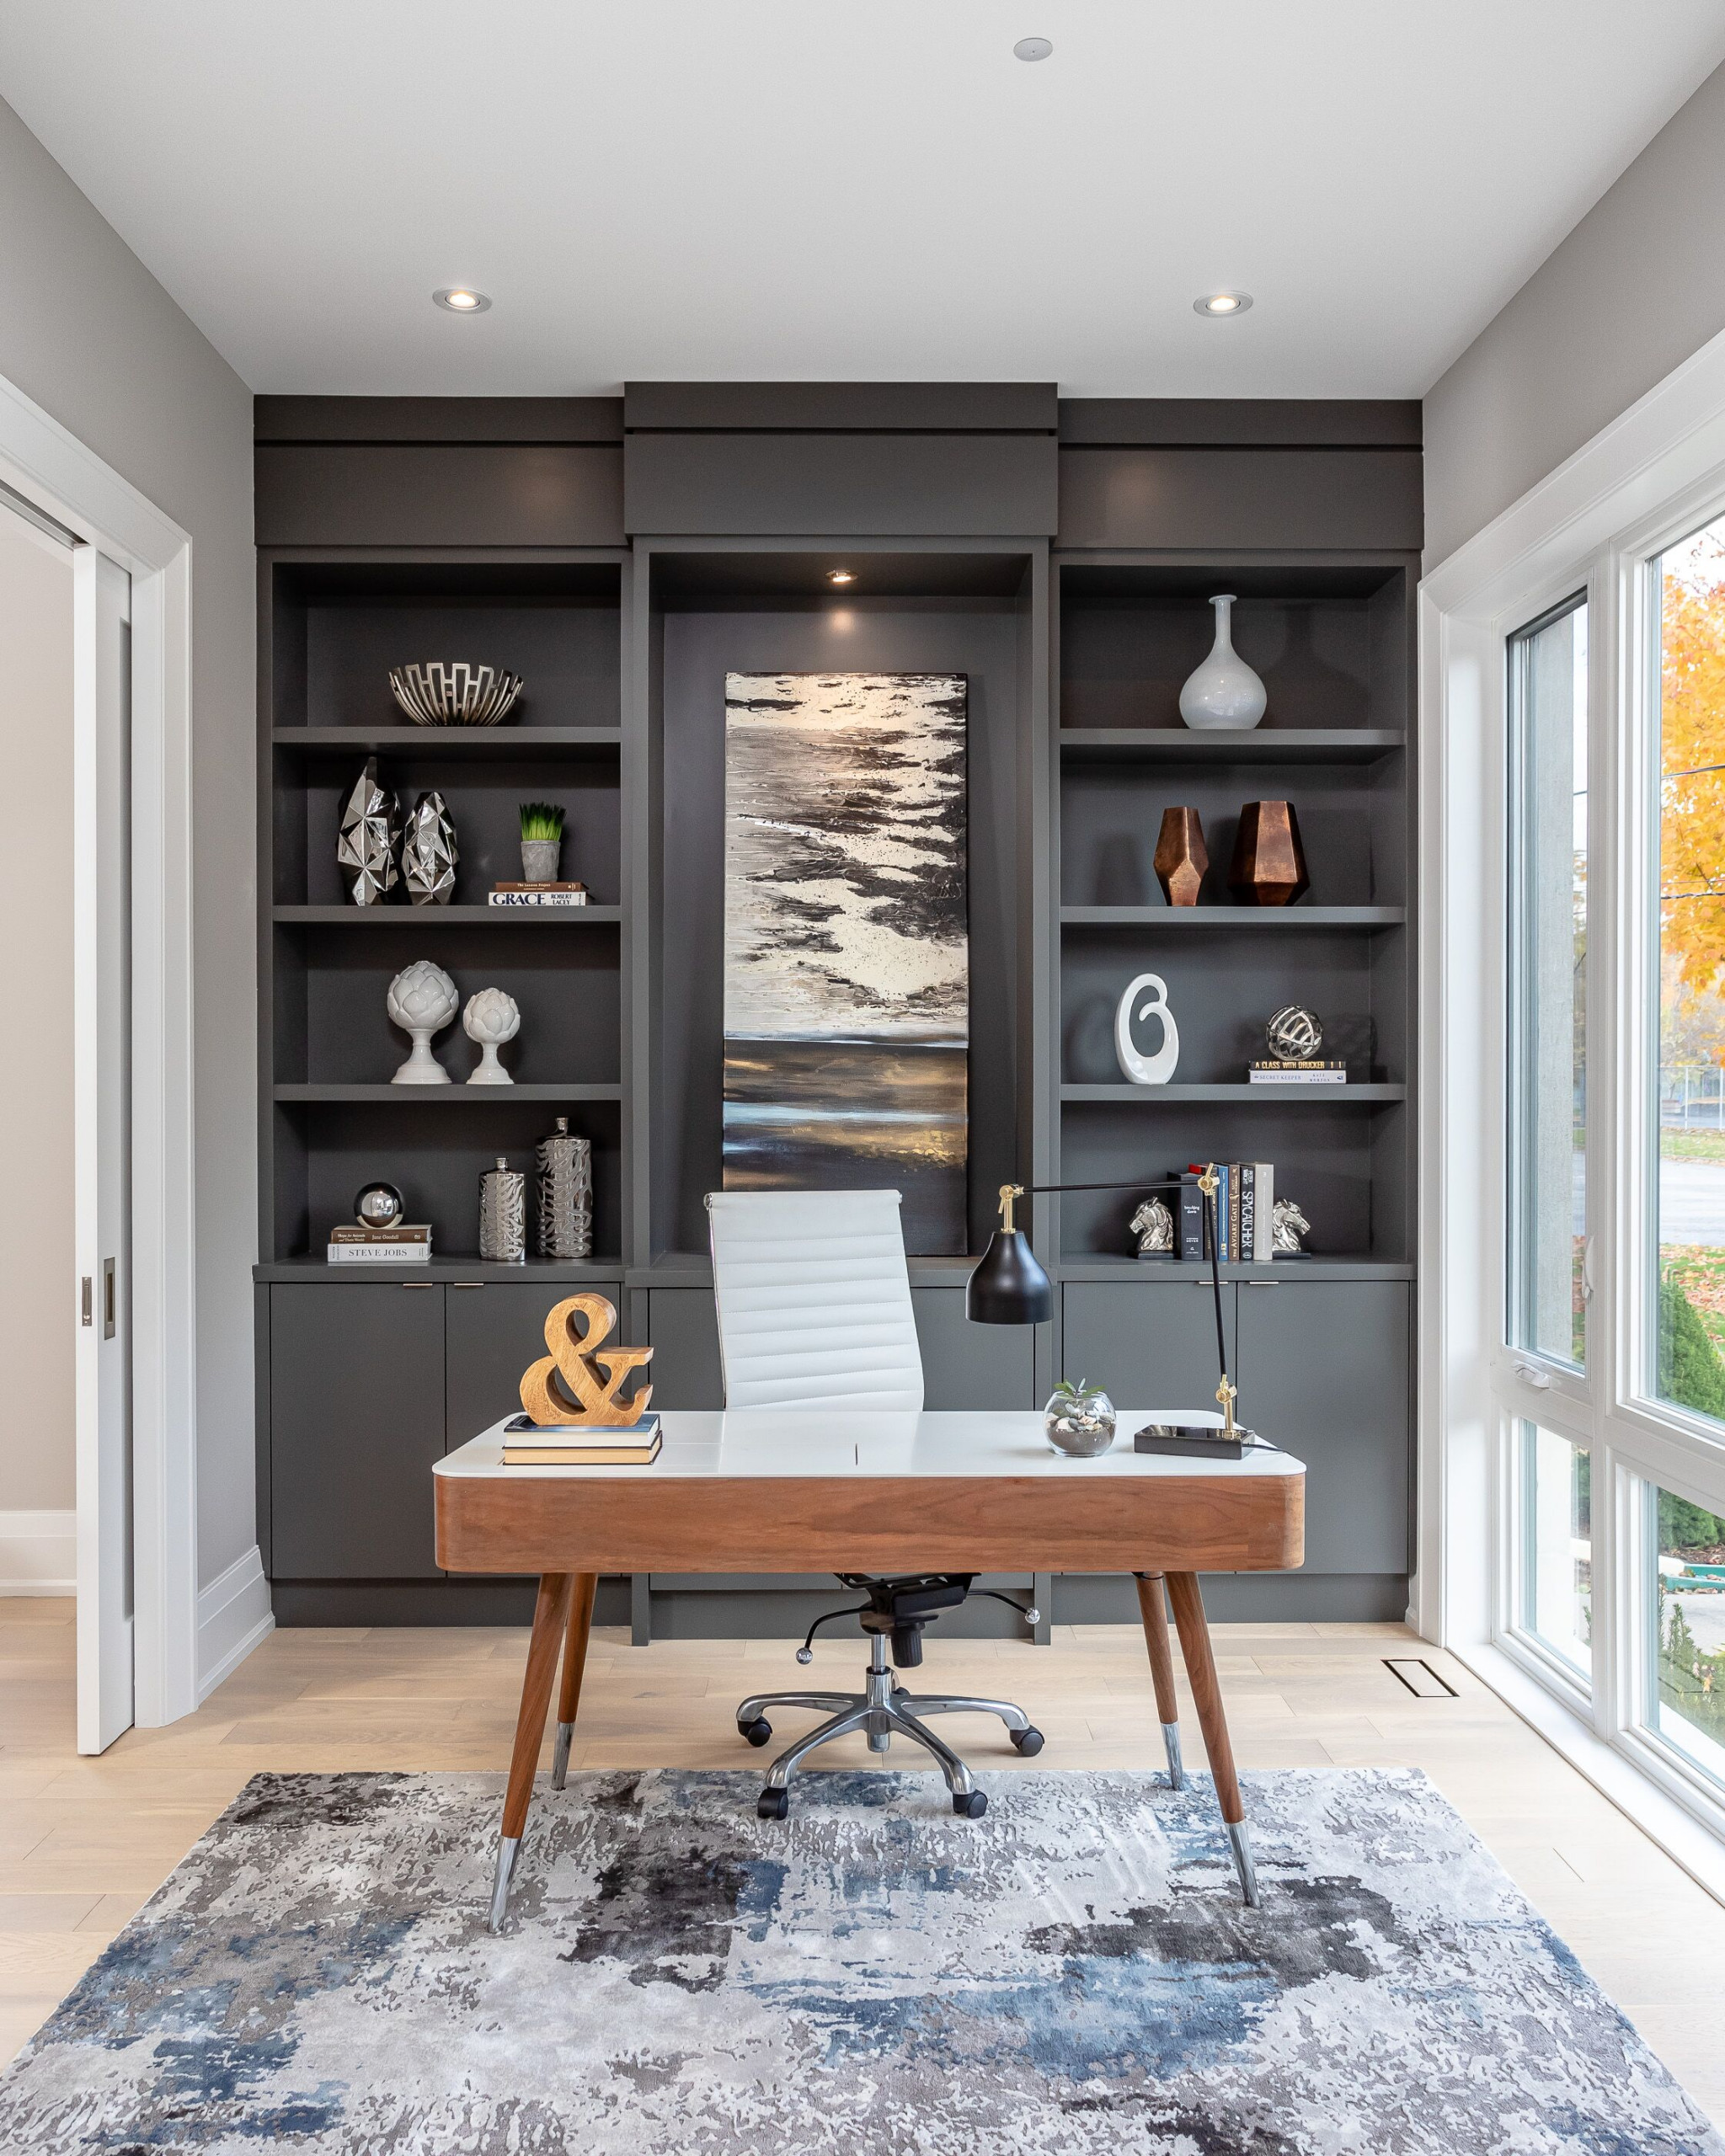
(814, 1299)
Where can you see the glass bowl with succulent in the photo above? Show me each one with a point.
(542, 841)
(1079, 1419)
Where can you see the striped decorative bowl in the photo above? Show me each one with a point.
(436, 693)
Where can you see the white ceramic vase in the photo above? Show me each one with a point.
(422, 1002)
(491, 1018)
(1224, 692)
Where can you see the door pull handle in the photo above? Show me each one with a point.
(90, 1300)
(109, 1322)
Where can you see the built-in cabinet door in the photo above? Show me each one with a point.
(683, 1327)
(965, 1365)
(1324, 1371)
(495, 1329)
(357, 1385)
(1150, 1343)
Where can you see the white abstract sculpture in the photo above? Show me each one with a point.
(422, 1002)
(491, 1018)
(1147, 1070)
(1224, 692)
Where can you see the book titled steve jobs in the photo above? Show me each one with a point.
(540, 1444)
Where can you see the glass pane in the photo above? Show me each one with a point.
(1548, 960)
(1689, 1628)
(1557, 1589)
(1689, 1238)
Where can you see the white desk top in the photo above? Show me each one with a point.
(782, 1443)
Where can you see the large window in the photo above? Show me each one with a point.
(1548, 895)
(1557, 1555)
(1685, 1628)
(1688, 1290)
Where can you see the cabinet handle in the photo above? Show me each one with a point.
(1260, 1283)
(467, 1284)
(418, 1284)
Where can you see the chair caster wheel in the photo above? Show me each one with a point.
(971, 1806)
(757, 1732)
(773, 1804)
(1027, 1741)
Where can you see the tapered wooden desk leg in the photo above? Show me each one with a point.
(1154, 1610)
(1207, 1698)
(575, 1661)
(550, 1612)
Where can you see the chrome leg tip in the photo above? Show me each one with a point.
(507, 1853)
(1171, 1745)
(1240, 1835)
(560, 1754)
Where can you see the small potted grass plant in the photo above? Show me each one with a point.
(1079, 1419)
(542, 841)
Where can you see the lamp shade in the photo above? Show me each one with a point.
(1009, 1287)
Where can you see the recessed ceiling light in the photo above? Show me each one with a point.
(841, 576)
(462, 299)
(1222, 304)
(1033, 48)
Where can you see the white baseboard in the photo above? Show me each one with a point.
(39, 1553)
(233, 1616)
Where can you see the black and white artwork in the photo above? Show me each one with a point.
(846, 956)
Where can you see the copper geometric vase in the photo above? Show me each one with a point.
(1269, 862)
(1181, 857)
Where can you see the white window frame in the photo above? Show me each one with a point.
(1654, 475)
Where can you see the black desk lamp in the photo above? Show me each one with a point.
(1009, 1287)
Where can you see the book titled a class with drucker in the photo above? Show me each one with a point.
(541, 1444)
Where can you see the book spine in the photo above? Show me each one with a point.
(1297, 1077)
(1264, 1249)
(381, 1235)
(1223, 1179)
(549, 898)
(1248, 1210)
(378, 1254)
(1190, 1221)
(1236, 1248)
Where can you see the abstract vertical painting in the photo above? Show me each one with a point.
(847, 952)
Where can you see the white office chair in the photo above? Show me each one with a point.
(815, 1312)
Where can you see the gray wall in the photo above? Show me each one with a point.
(89, 334)
(1634, 289)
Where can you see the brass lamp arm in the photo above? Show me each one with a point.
(1226, 1392)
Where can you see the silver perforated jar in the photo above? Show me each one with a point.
(565, 1194)
(503, 1215)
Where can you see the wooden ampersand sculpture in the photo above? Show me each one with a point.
(587, 1396)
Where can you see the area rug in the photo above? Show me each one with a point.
(1073, 1974)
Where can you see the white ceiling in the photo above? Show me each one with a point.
(776, 189)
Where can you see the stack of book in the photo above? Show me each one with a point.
(539, 1444)
(537, 894)
(1246, 1197)
(1297, 1074)
(404, 1244)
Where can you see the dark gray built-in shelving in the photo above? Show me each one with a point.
(624, 555)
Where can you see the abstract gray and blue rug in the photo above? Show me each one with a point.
(1073, 1974)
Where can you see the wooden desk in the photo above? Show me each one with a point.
(792, 1490)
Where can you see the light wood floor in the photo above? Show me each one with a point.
(84, 1842)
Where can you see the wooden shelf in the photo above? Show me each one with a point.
(1263, 1096)
(1179, 744)
(408, 1096)
(1195, 917)
(410, 916)
(1103, 1266)
(501, 743)
(442, 1267)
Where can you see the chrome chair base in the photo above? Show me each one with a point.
(1171, 1745)
(882, 1711)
